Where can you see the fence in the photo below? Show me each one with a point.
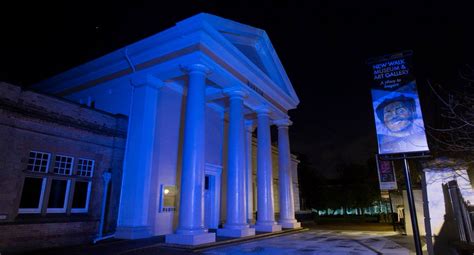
(461, 213)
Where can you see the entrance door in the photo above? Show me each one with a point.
(209, 197)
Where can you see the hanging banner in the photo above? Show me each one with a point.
(387, 177)
(398, 118)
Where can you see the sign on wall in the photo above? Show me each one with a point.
(168, 198)
(387, 177)
(398, 119)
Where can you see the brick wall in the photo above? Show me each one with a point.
(32, 121)
(24, 237)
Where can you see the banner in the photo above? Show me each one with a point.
(398, 119)
(387, 177)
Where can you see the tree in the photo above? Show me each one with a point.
(355, 187)
(359, 185)
(454, 130)
(311, 185)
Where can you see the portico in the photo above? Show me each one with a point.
(194, 95)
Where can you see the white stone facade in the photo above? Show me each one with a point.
(193, 95)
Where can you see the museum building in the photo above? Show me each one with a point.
(198, 101)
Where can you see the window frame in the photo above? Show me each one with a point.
(47, 164)
(92, 167)
(62, 174)
(40, 203)
(66, 197)
(65, 169)
(89, 188)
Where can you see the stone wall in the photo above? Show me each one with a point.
(22, 237)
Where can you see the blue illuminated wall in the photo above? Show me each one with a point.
(156, 68)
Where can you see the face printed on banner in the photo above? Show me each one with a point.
(399, 126)
(397, 116)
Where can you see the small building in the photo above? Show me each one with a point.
(447, 208)
(193, 95)
(53, 154)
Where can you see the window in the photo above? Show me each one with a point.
(51, 188)
(82, 189)
(58, 196)
(32, 195)
(63, 165)
(80, 200)
(206, 182)
(38, 162)
(85, 167)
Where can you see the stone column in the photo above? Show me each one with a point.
(191, 229)
(265, 206)
(249, 128)
(287, 206)
(132, 220)
(236, 222)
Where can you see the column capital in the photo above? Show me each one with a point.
(250, 125)
(196, 68)
(263, 110)
(283, 123)
(235, 93)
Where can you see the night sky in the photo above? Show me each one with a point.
(323, 45)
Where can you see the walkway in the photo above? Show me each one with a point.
(319, 242)
(315, 241)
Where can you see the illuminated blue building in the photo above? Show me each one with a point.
(194, 94)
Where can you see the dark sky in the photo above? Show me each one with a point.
(323, 45)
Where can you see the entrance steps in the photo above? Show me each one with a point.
(220, 242)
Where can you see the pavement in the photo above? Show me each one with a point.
(321, 240)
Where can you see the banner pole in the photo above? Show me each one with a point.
(411, 204)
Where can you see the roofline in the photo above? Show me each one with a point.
(110, 62)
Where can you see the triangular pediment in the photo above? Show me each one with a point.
(256, 46)
(257, 52)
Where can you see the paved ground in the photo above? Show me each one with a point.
(327, 239)
(319, 242)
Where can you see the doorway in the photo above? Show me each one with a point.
(212, 195)
(209, 198)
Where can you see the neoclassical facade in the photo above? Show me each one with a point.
(194, 95)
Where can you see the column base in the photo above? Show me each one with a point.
(291, 225)
(231, 232)
(251, 222)
(267, 228)
(135, 232)
(191, 239)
